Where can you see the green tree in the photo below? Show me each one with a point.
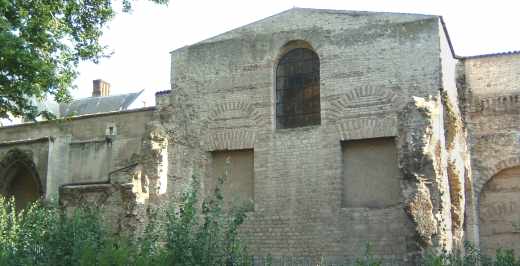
(41, 44)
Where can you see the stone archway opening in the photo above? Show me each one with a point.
(23, 185)
(499, 213)
(19, 178)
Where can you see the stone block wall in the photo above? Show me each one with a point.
(79, 149)
(116, 162)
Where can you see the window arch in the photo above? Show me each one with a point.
(298, 89)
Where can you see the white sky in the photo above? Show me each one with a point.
(141, 41)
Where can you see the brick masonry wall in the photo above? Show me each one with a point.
(493, 118)
(371, 66)
(381, 75)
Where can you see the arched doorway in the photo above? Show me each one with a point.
(500, 212)
(19, 179)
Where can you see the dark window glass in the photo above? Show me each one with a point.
(298, 89)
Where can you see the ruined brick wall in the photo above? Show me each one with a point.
(371, 67)
(388, 92)
(457, 153)
(130, 193)
(119, 206)
(493, 118)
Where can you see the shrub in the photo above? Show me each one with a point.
(472, 256)
(368, 258)
(191, 235)
(43, 235)
(191, 232)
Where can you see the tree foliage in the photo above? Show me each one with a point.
(41, 44)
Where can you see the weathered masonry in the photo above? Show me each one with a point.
(340, 128)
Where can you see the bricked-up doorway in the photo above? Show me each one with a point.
(19, 179)
(499, 213)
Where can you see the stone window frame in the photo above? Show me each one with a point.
(304, 113)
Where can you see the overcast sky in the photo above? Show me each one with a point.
(141, 41)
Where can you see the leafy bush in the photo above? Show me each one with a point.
(44, 235)
(472, 256)
(368, 258)
(192, 232)
(199, 236)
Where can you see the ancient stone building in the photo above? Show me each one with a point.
(342, 128)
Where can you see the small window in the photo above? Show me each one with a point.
(298, 89)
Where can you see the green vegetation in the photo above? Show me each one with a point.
(191, 235)
(472, 256)
(42, 43)
(194, 232)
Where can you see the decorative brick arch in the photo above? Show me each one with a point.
(366, 100)
(13, 158)
(234, 110)
(495, 210)
(490, 172)
(232, 125)
(293, 44)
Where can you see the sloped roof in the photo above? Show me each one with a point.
(300, 17)
(492, 54)
(93, 105)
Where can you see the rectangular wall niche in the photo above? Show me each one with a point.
(370, 173)
(239, 184)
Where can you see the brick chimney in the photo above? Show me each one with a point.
(100, 88)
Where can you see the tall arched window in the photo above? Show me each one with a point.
(298, 89)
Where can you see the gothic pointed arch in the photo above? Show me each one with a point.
(19, 178)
